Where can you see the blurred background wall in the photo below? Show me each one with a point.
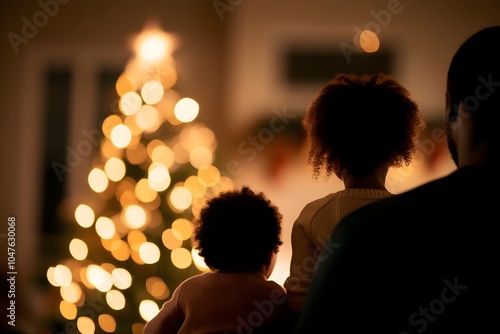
(240, 60)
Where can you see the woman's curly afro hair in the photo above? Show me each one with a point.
(359, 122)
(237, 231)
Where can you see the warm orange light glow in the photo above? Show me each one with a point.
(152, 92)
(107, 323)
(194, 185)
(172, 239)
(115, 299)
(200, 157)
(115, 169)
(78, 249)
(85, 325)
(180, 198)
(148, 118)
(149, 252)
(130, 103)
(84, 215)
(144, 192)
(121, 136)
(209, 176)
(148, 309)
(181, 258)
(184, 227)
(135, 216)
(124, 84)
(369, 41)
(153, 45)
(68, 310)
(186, 109)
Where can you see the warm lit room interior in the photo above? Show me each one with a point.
(202, 96)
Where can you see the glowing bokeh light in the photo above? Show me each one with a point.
(135, 216)
(98, 180)
(153, 45)
(135, 129)
(71, 293)
(99, 278)
(369, 41)
(50, 276)
(115, 169)
(225, 184)
(85, 325)
(152, 92)
(78, 249)
(163, 154)
(124, 84)
(181, 258)
(68, 310)
(148, 309)
(149, 252)
(181, 156)
(130, 103)
(171, 238)
(194, 185)
(144, 192)
(200, 157)
(137, 154)
(121, 278)
(62, 275)
(197, 135)
(180, 198)
(105, 227)
(209, 176)
(84, 215)
(168, 75)
(109, 123)
(115, 299)
(120, 250)
(186, 109)
(148, 118)
(184, 227)
(157, 288)
(121, 136)
(158, 176)
(136, 239)
(107, 323)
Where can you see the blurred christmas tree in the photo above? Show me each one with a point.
(153, 173)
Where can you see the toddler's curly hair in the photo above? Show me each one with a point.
(237, 231)
(359, 122)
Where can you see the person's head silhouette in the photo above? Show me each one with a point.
(473, 99)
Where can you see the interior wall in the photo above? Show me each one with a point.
(425, 34)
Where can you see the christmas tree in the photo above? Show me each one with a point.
(154, 171)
